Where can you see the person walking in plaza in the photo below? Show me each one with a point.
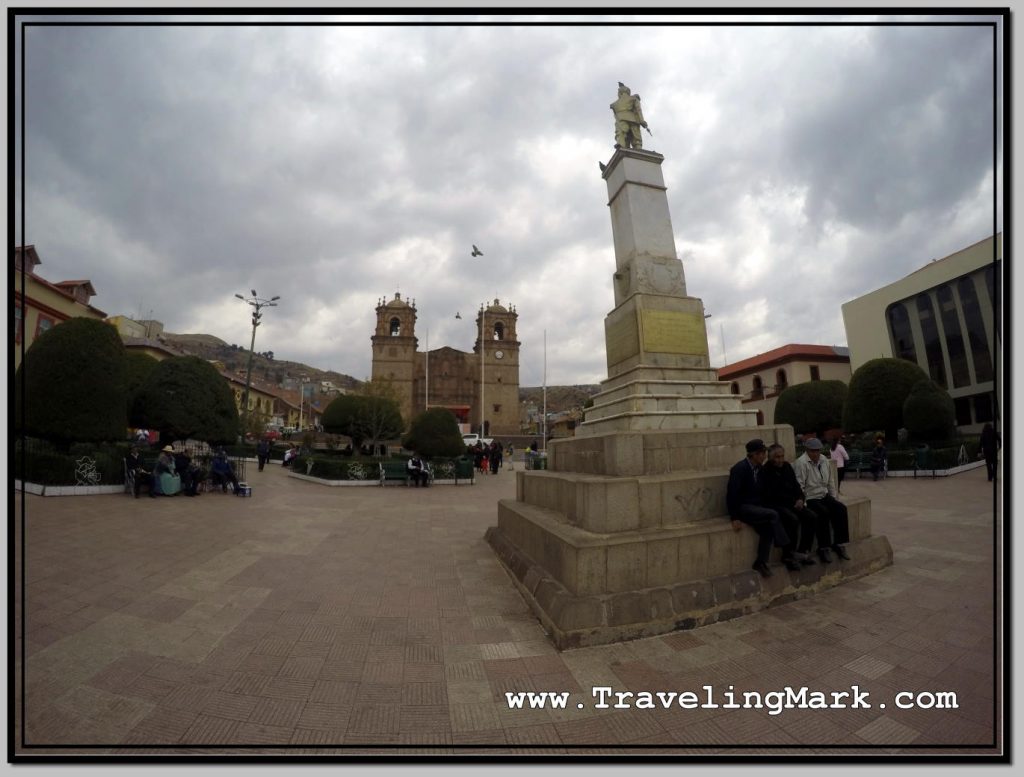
(781, 492)
(840, 457)
(990, 443)
(494, 455)
(879, 458)
(745, 504)
(813, 473)
(263, 452)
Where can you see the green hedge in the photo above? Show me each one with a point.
(344, 468)
(334, 468)
(39, 462)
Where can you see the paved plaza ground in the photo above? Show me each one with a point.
(338, 620)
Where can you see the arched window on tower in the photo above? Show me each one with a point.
(396, 327)
(499, 331)
(735, 387)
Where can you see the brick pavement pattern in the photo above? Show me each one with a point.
(341, 620)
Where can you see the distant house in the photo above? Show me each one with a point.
(760, 379)
(40, 304)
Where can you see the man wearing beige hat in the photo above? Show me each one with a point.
(814, 474)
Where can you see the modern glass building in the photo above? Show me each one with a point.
(946, 318)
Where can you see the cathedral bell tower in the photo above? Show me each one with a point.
(394, 349)
(500, 371)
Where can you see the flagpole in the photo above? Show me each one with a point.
(426, 383)
(544, 426)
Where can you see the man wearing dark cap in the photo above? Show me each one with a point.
(744, 500)
(814, 474)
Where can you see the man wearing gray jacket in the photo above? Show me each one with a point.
(814, 474)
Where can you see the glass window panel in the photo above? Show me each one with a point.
(962, 406)
(932, 346)
(982, 407)
(975, 329)
(900, 332)
(954, 337)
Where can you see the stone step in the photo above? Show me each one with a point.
(669, 421)
(586, 562)
(621, 504)
(580, 618)
(663, 388)
(648, 372)
(665, 403)
(660, 452)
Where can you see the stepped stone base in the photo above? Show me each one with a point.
(680, 591)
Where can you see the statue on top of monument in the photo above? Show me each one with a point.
(628, 119)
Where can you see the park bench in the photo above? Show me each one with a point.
(396, 472)
(860, 461)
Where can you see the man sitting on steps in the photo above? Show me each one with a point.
(814, 474)
(746, 506)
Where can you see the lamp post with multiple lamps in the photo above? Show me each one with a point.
(257, 303)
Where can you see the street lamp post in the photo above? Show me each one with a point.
(482, 314)
(257, 303)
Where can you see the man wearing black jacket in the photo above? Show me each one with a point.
(746, 506)
(782, 493)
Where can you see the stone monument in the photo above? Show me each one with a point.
(625, 534)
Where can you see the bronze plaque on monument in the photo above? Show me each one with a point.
(671, 331)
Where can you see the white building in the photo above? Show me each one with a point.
(946, 318)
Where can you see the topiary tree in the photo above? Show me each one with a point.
(74, 384)
(370, 416)
(185, 397)
(435, 432)
(382, 416)
(928, 412)
(877, 391)
(342, 416)
(138, 367)
(812, 407)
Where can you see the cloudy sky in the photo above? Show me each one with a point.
(335, 165)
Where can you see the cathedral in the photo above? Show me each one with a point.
(485, 381)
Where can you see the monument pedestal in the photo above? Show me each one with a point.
(626, 535)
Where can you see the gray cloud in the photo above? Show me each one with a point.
(806, 166)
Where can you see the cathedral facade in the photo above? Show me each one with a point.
(479, 385)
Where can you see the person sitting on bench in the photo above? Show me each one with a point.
(191, 473)
(417, 471)
(138, 473)
(222, 473)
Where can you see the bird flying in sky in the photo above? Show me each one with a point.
(477, 252)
